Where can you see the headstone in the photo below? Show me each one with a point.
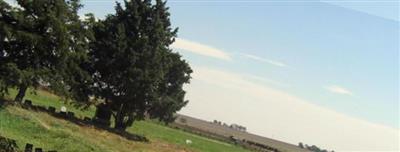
(41, 108)
(87, 119)
(188, 141)
(38, 150)
(70, 114)
(28, 103)
(63, 114)
(28, 147)
(103, 115)
(52, 110)
(63, 109)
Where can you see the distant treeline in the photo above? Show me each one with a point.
(313, 148)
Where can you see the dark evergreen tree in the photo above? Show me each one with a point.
(42, 43)
(135, 71)
(170, 92)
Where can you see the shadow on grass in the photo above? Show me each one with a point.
(81, 122)
(3, 103)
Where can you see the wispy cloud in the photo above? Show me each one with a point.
(201, 49)
(264, 110)
(383, 9)
(260, 59)
(339, 90)
(266, 80)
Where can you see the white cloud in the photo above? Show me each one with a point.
(265, 80)
(338, 90)
(230, 97)
(260, 59)
(201, 49)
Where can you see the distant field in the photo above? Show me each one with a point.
(220, 131)
(51, 133)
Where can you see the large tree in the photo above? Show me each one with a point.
(135, 71)
(42, 42)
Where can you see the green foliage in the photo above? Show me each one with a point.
(313, 148)
(7, 145)
(42, 43)
(134, 70)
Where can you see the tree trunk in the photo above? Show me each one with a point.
(121, 123)
(119, 119)
(118, 122)
(21, 93)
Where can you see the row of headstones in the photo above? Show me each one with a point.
(50, 109)
(10, 145)
(102, 118)
(29, 148)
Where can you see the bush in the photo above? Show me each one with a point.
(8, 145)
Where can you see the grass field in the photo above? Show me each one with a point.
(51, 133)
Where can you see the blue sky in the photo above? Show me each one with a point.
(351, 44)
(339, 55)
(330, 61)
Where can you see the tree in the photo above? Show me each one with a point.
(135, 72)
(301, 145)
(313, 148)
(42, 42)
(170, 92)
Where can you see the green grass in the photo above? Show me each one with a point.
(156, 131)
(24, 127)
(46, 99)
(51, 133)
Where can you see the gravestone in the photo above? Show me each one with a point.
(41, 108)
(28, 103)
(28, 147)
(70, 114)
(103, 115)
(63, 114)
(38, 150)
(63, 109)
(52, 110)
(87, 119)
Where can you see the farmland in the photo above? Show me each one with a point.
(225, 133)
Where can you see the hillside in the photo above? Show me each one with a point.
(51, 133)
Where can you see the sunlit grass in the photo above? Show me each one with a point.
(51, 133)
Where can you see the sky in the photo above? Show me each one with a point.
(317, 72)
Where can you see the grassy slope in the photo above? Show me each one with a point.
(51, 133)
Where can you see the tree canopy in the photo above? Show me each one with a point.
(135, 72)
(43, 42)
